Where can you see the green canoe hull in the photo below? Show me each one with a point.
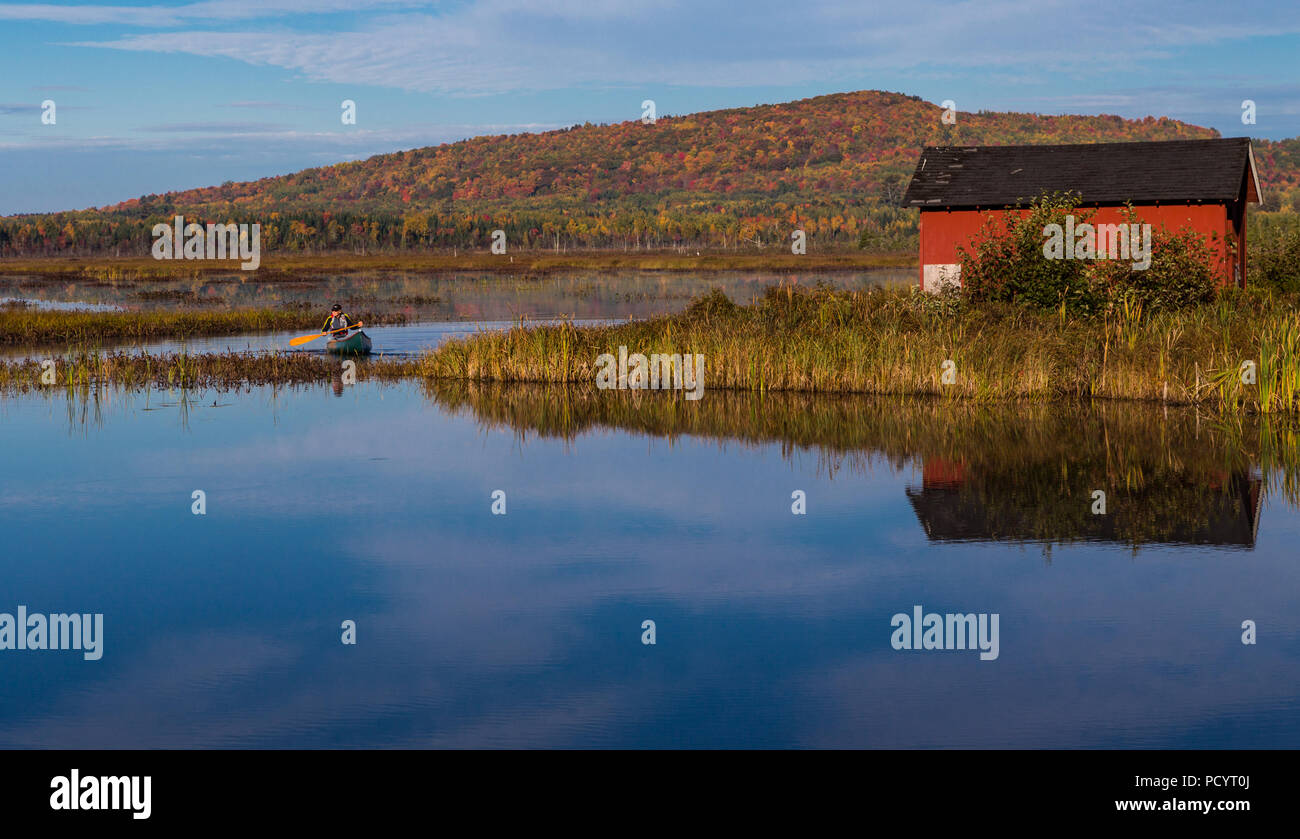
(358, 343)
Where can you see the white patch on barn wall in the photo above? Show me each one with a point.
(937, 276)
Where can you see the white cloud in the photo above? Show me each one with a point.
(217, 10)
(495, 46)
(201, 136)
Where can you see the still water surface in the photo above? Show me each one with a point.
(438, 307)
(773, 629)
(438, 296)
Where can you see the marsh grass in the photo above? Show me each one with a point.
(209, 371)
(895, 342)
(26, 325)
(881, 342)
(31, 326)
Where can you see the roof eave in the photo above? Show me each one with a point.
(1254, 194)
(1143, 202)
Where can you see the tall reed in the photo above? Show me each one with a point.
(25, 325)
(898, 342)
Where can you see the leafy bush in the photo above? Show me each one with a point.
(1007, 262)
(1180, 273)
(1274, 255)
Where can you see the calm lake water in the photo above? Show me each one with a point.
(772, 629)
(442, 296)
(438, 306)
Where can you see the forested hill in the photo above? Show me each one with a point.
(834, 166)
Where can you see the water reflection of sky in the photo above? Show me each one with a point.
(475, 630)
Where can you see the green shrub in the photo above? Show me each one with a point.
(1274, 251)
(1180, 273)
(1007, 263)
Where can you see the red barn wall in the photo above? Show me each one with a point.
(939, 473)
(942, 232)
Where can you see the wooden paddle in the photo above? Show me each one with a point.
(306, 339)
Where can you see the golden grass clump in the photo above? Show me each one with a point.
(897, 342)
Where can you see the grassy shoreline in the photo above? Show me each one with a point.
(291, 266)
(898, 343)
(824, 341)
(31, 326)
(200, 371)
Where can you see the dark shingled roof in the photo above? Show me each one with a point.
(1103, 173)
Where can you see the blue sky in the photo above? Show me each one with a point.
(152, 96)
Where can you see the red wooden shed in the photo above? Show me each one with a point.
(1201, 184)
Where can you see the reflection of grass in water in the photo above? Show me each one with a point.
(85, 404)
(1022, 470)
(897, 342)
(1127, 438)
(1027, 469)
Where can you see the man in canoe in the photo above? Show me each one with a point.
(338, 320)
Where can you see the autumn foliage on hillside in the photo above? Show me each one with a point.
(834, 166)
(1279, 169)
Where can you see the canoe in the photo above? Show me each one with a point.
(358, 343)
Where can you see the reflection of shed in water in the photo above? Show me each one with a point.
(1223, 510)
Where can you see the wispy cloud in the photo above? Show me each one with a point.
(32, 108)
(216, 127)
(495, 46)
(216, 137)
(1221, 99)
(265, 106)
(158, 16)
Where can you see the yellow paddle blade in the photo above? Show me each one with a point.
(303, 339)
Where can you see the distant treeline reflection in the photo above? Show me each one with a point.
(1002, 472)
